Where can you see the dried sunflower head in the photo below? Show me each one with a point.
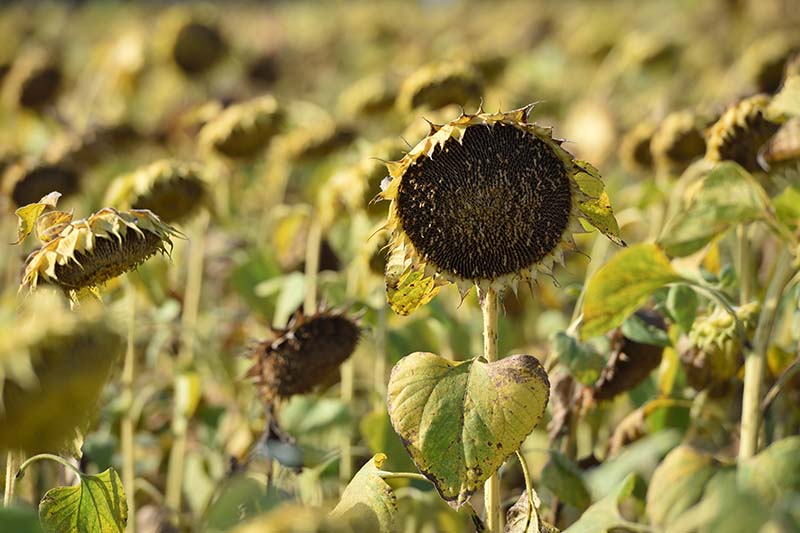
(491, 199)
(243, 130)
(435, 86)
(368, 96)
(634, 150)
(80, 255)
(33, 81)
(51, 358)
(26, 182)
(304, 355)
(741, 132)
(197, 47)
(677, 141)
(319, 141)
(173, 190)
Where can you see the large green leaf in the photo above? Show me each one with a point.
(96, 505)
(622, 285)
(460, 421)
(775, 471)
(368, 502)
(604, 515)
(727, 196)
(678, 484)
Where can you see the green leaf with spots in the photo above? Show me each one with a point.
(28, 214)
(407, 287)
(368, 502)
(597, 208)
(727, 196)
(96, 505)
(459, 421)
(604, 515)
(622, 285)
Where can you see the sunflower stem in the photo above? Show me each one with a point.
(127, 423)
(529, 491)
(312, 265)
(491, 490)
(12, 458)
(755, 359)
(46, 457)
(191, 306)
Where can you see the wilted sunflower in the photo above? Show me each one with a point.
(173, 190)
(33, 81)
(51, 358)
(741, 132)
(490, 199)
(82, 254)
(435, 86)
(243, 130)
(678, 141)
(26, 182)
(304, 355)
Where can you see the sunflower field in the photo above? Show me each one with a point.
(426, 266)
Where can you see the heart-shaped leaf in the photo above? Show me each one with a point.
(96, 505)
(368, 503)
(460, 421)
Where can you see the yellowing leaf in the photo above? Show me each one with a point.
(28, 214)
(597, 210)
(96, 505)
(49, 225)
(368, 502)
(460, 421)
(622, 285)
(727, 196)
(407, 287)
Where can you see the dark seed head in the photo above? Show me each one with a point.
(495, 203)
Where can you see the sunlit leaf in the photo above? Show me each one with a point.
(96, 505)
(727, 196)
(49, 225)
(622, 285)
(368, 502)
(787, 102)
(407, 287)
(604, 515)
(460, 421)
(678, 484)
(597, 209)
(27, 214)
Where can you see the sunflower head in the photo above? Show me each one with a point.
(80, 255)
(491, 199)
(33, 81)
(51, 357)
(243, 130)
(26, 182)
(173, 190)
(197, 47)
(678, 141)
(304, 355)
(634, 150)
(438, 85)
(740, 132)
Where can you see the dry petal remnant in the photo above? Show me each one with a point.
(89, 252)
(491, 199)
(308, 353)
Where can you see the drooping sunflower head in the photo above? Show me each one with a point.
(678, 141)
(741, 132)
(26, 182)
(243, 130)
(438, 85)
(80, 255)
(51, 358)
(173, 190)
(33, 81)
(491, 199)
(304, 355)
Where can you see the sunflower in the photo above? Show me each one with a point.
(51, 357)
(304, 355)
(491, 199)
(173, 190)
(80, 255)
(741, 131)
(243, 130)
(438, 85)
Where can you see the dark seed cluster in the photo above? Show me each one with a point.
(307, 354)
(108, 259)
(494, 204)
(173, 200)
(40, 180)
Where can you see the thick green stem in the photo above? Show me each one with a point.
(756, 358)
(191, 306)
(491, 490)
(12, 458)
(127, 423)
